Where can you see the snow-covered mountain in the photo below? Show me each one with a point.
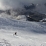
(25, 14)
(23, 26)
(28, 33)
(28, 26)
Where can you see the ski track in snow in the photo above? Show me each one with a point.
(28, 33)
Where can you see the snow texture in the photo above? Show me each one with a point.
(28, 33)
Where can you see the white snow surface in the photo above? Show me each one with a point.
(28, 33)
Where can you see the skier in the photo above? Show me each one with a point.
(15, 33)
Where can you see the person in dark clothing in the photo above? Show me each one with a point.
(15, 33)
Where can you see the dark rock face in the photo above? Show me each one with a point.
(35, 17)
(30, 19)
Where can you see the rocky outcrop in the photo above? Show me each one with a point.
(28, 12)
(35, 16)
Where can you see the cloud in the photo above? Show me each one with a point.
(6, 4)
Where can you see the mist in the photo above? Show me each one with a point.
(6, 4)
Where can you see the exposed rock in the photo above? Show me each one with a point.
(30, 14)
(35, 16)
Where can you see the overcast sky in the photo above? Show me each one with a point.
(5, 4)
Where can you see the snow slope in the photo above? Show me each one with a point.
(28, 33)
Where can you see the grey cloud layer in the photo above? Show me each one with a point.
(5, 4)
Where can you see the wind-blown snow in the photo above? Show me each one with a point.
(28, 33)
